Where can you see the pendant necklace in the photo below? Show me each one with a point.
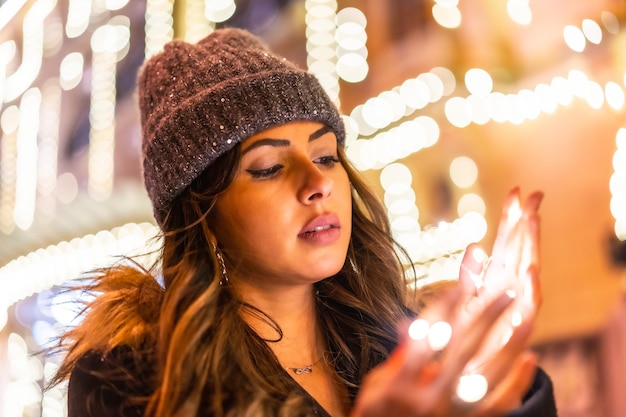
(305, 369)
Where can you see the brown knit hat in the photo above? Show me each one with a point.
(197, 101)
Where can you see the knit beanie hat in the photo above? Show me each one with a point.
(197, 101)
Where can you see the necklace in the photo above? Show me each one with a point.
(305, 369)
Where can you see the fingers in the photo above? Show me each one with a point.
(516, 247)
(508, 218)
(508, 393)
(514, 213)
(419, 379)
(464, 345)
(472, 269)
(531, 224)
(500, 361)
(426, 335)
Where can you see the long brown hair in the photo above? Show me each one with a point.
(208, 361)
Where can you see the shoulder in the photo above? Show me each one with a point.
(539, 401)
(112, 384)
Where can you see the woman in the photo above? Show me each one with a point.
(279, 291)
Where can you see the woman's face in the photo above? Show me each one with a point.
(286, 217)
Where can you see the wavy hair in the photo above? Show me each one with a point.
(205, 359)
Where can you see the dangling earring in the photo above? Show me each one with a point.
(353, 265)
(220, 258)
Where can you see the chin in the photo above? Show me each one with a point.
(329, 270)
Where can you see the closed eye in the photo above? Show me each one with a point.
(266, 173)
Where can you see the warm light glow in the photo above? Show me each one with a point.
(594, 95)
(614, 95)
(219, 10)
(478, 82)
(418, 329)
(352, 67)
(592, 31)
(439, 335)
(66, 188)
(115, 4)
(574, 38)
(395, 176)
(519, 11)
(55, 264)
(617, 185)
(457, 112)
(472, 388)
(8, 167)
(71, 70)
(26, 163)
(414, 93)
(8, 10)
(463, 172)
(3, 318)
(197, 26)
(159, 27)
(610, 22)
(320, 19)
(48, 150)
(514, 214)
(78, 13)
(32, 51)
(381, 132)
(447, 16)
(471, 202)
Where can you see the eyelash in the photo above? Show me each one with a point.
(265, 174)
(327, 161)
(268, 173)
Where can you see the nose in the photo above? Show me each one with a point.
(315, 184)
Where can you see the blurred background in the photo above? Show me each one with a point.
(448, 103)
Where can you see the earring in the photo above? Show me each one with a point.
(353, 265)
(220, 259)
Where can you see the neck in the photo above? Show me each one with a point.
(293, 311)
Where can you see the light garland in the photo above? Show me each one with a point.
(519, 11)
(321, 45)
(26, 159)
(32, 50)
(45, 268)
(196, 25)
(8, 167)
(159, 26)
(109, 44)
(351, 51)
(447, 14)
(617, 185)
(47, 171)
(78, 14)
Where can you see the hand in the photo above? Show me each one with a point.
(459, 330)
(513, 267)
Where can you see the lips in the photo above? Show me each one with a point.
(322, 229)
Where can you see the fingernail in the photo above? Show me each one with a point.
(536, 198)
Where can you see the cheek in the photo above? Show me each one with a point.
(246, 226)
(226, 222)
(345, 190)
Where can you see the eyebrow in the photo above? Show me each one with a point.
(279, 143)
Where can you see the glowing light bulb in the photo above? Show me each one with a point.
(418, 330)
(472, 388)
(439, 335)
